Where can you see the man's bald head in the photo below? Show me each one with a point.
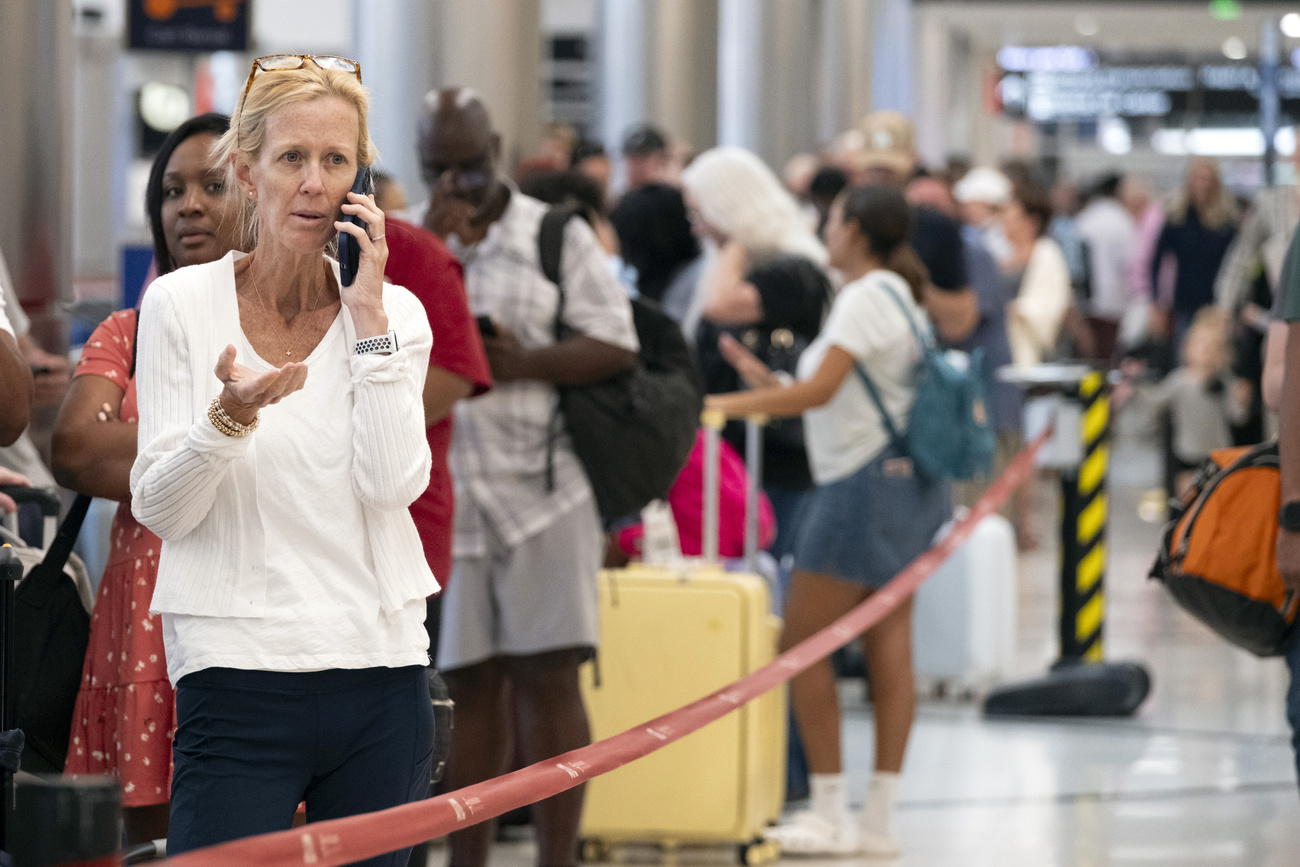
(455, 132)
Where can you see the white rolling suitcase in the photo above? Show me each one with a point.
(964, 624)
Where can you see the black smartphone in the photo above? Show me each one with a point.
(486, 327)
(349, 248)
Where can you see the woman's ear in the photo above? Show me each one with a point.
(243, 175)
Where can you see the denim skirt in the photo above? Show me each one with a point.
(866, 527)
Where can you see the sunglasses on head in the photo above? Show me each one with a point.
(288, 62)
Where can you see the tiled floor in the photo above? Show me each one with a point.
(1203, 775)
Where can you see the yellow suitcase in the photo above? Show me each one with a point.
(668, 637)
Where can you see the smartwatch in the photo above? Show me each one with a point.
(1288, 517)
(384, 344)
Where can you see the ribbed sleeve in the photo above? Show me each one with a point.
(181, 458)
(391, 458)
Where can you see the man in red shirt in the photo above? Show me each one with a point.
(418, 260)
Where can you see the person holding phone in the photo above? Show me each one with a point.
(282, 440)
(520, 611)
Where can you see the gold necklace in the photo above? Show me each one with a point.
(258, 289)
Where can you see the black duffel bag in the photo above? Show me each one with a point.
(634, 431)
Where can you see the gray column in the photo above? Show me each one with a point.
(844, 74)
(35, 159)
(399, 63)
(684, 69)
(624, 80)
(767, 69)
(891, 73)
(740, 64)
(495, 47)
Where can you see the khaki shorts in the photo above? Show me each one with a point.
(540, 595)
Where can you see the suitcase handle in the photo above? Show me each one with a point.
(46, 498)
(713, 421)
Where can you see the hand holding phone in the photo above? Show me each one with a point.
(349, 248)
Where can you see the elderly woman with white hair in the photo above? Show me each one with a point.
(764, 288)
(292, 582)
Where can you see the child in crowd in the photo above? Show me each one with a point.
(1202, 397)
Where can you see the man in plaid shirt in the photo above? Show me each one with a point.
(520, 613)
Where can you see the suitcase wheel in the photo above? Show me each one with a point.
(592, 850)
(758, 852)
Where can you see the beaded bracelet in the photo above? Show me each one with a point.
(227, 425)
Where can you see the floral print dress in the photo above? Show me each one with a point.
(125, 715)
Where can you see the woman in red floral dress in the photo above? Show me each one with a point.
(124, 718)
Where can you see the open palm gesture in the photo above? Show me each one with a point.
(247, 391)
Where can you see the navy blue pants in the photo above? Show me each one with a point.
(252, 745)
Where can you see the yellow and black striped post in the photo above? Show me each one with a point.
(1083, 530)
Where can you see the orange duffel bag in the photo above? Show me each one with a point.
(1218, 552)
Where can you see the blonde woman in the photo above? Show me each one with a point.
(281, 441)
(1199, 228)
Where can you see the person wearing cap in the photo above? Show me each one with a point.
(981, 194)
(654, 232)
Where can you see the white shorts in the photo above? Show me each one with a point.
(541, 595)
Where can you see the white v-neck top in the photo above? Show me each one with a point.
(291, 549)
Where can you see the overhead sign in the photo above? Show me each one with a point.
(188, 25)
(1048, 95)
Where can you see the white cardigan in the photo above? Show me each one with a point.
(198, 489)
(1040, 307)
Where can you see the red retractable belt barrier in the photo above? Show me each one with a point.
(342, 841)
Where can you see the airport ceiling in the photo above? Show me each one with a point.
(1124, 27)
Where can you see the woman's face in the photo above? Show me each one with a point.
(1018, 226)
(843, 238)
(1202, 183)
(196, 222)
(307, 165)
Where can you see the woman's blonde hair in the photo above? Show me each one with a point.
(735, 192)
(1221, 211)
(271, 92)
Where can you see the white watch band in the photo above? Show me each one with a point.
(384, 344)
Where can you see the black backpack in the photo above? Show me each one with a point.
(633, 432)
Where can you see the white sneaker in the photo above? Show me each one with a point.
(808, 833)
(880, 844)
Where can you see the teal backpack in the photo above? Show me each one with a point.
(948, 433)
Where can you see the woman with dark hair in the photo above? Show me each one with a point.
(869, 514)
(186, 196)
(123, 721)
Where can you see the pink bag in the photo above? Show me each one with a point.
(686, 498)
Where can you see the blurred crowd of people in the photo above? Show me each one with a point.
(784, 286)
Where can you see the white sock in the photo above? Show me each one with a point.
(830, 796)
(878, 811)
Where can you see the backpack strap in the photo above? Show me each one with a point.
(894, 436)
(926, 345)
(45, 575)
(550, 251)
(135, 342)
(924, 338)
